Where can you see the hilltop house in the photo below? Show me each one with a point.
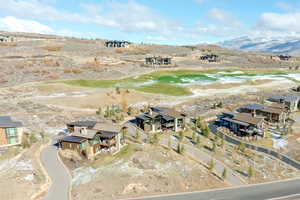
(5, 38)
(292, 102)
(117, 44)
(161, 119)
(243, 124)
(11, 132)
(90, 138)
(273, 113)
(158, 61)
(210, 58)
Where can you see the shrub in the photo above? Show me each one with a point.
(54, 76)
(53, 48)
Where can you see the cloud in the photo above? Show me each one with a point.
(279, 22)
(223, 17)
(284, 5)
(10, 23)
(128, 17)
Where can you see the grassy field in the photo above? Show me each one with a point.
(169, 82)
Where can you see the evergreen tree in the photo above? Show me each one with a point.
(194, 136)
(199, 123)
(222, 143)
(181, 136)
(214, 147)
(198, 141)
(250, 171)
(137, 134)
(224, 174)
(242, 147)
(211, 165)
(129, 112)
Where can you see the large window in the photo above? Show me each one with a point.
(11, 132)
(12, 140)
(82, 146)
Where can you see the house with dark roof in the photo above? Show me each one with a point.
(158, 60)
(243, 124)
(159, 119)
(273, 113)
(210, 58)
(291, 101)
(90, 138)
(117, 44)
(11, 131)
(79, 125)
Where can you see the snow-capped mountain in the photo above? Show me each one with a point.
(284, 45)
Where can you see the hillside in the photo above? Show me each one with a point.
(36, 57)
(289, 45)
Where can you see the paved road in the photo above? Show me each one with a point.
(288, 190)
(198, 154)
(59, 175)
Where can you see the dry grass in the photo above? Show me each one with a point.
(72, 71)
(53, 76)
(8, 44)
(133, 51)
(95, 65)
(53, 48)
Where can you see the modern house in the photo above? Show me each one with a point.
(291, 101)
(210, 58)
(158, 61)
(243, 124)
(273, 113)
(159, 119)
(11, 132)
(117, 44)
(90, 138)
(5, 38)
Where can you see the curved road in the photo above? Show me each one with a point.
(60, 176)
(286, 190)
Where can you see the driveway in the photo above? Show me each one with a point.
(59, 175)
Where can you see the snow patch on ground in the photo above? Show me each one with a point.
(24, 165)
(29, 177)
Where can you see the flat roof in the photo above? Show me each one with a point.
(247, 118)
(73, 139)
(89, 134)
(86, 123)
(107, 126)
(7, 122)
(143, 117)
(236, 121)
(108, 134)
(252, 106)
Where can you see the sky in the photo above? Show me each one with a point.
(173, 22)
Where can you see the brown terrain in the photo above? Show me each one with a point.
(31, 71)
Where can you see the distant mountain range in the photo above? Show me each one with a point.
(284, 45)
